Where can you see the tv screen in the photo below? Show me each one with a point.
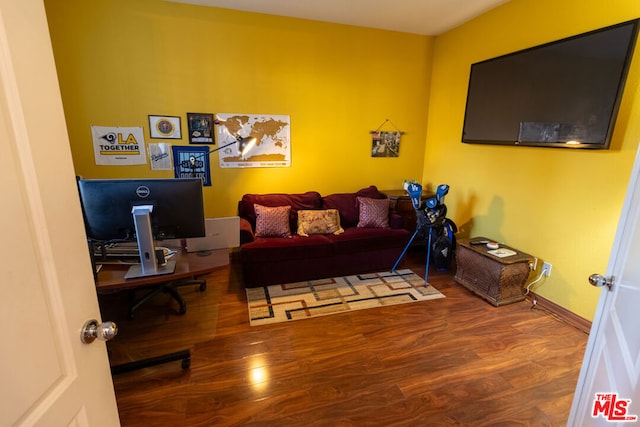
(178, 209)
(561, 94)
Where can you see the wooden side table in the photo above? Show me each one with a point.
(499, 280)
(400, 203)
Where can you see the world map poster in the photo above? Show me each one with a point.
(273, 140)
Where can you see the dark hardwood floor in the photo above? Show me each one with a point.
(452, 361)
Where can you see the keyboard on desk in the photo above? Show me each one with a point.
(116, 253)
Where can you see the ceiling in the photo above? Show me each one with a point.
(426, 17)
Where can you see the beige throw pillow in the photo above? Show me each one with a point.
(319, 222)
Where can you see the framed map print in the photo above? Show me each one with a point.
(273, 133)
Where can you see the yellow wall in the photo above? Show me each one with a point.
(559, 205)
(120, 60)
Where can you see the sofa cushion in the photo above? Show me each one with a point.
(373, 213)
(324, 221)
(277, 249)
(308, 200)
(347, 204)
(356, 239)
(272, 221)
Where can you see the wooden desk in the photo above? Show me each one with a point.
(189, 266)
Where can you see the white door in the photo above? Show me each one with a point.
(48, 376)
(608, 392)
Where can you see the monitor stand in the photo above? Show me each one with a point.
(148, 261)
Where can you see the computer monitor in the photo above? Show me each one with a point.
(143, 210)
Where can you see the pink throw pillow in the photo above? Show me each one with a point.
(272, 222)
(373, 213)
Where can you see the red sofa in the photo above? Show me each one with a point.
(361, 248)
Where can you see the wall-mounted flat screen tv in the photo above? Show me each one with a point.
(560, 94)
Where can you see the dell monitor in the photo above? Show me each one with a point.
(143, 210)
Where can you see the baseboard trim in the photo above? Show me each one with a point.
(562, 313)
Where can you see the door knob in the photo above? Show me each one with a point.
(102, 331)
(599, 281)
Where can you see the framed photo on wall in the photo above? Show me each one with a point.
(385, 144)
(165, 127)
(200, 128)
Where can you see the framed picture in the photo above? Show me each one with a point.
(165, 127)
(200, 128)
(160, 156)
(192, 162)
(385, 144)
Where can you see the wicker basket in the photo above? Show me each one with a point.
(498, 280)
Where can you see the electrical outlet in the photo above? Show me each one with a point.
(546, 269)
(534, 264)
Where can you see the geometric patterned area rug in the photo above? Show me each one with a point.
(303, 300)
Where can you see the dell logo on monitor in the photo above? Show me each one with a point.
(143, 191)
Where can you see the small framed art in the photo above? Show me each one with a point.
(200, 128)
(165, 127)
(385, 144)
